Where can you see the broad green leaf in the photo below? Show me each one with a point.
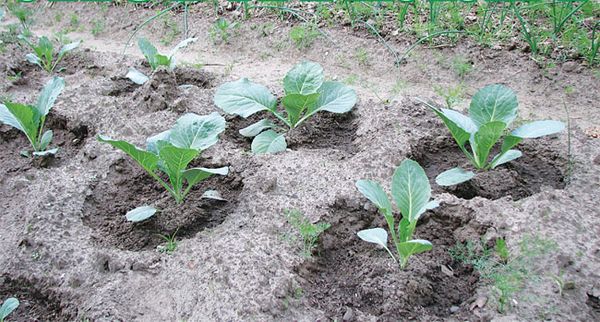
(405, 230)
(460, 134)
(22, 117)
(538, 128)
(255, 129)
(152, 142)
(213, 194)
(244, 98)
(136, 76)
(68, 47)
(304, 78)
(182, 44)
(413, 247)
(49, 94)
(483, 141)
(45, 50)
(462, 121)
(162, 60)
(453, 176)
(45, 153)
(268, 142)
(192, 131)
(175, 160)
(147, 160)
(374, 192)
(195, 175)
(505, 157)
(9, 305)
(45, 139)
(493, 103)
(509, 142)
(375, 235)
(410, 189)
(149, 52)
(297, 104)
(334, 97)
(32, 58)
(140, 213)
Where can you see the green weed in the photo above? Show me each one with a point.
(309, 232)
(303, 36)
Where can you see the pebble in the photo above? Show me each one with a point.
(569, 66)
(454, 309)
(348, 316)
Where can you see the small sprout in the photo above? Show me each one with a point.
(306, 93)
(30, 119)
(171, 243)
(308, 231)
(411, 193)
(44, 55)
(156, 59)
(221, 30)
(170, 152)
(502, 250)
(9, 305)
(492, 110)
(304, 36)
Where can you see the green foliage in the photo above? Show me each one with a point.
(452, 95)
(222, 30)
(306, 93)
(30, 119)
(22, 13)
(97, 27)
(155, 59)
(492, 110)
(170, 243)
(308, 231)
(461, 66)
(303, 36)
(411, 193)
(9, 305)
(170, 152)
(43, 53)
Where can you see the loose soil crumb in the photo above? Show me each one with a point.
(127, 186)
(37, 301)
(541, 165)
(353, 274)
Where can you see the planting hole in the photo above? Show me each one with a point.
(541, 165)
(68, 137)
(127, 187)
(351, 274)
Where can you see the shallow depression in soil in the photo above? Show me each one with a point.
(351, 274)
(127, 186)
(541, 165)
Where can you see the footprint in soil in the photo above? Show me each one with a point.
(127, 186)
(37, 300)
(350, 273)
(68, 137)
(322, 131)
(541, 165)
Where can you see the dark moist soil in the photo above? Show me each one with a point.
(127, 186)
(68, 137)
(351, 274)
(541, 165)
(37, 301)
(323, 131)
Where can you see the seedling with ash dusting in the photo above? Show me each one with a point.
(411, 193)
(9, 305)
(30, 119)
(492, 110)
(308, 231)
(170, 152)
(155, 59)
(43, 52)
(306, 93)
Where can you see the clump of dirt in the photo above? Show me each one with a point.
(37, 301)
(541, 165)
(69, 138)
(127, 186)
(322, 131)
(351, 274)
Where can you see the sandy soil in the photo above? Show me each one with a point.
(68, 254)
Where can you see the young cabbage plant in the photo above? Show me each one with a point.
(9, 305)
(155, 59)
(306, 93)
(411, 192)
(43, 53)
(492, 110)
(170, 152)
(30, 119)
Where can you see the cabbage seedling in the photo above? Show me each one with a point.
(155, 59)
(306, 93)
(30, 119)
(9, 305)
(170, 152)
(492, 110)
(43, 53)
(411, 192)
